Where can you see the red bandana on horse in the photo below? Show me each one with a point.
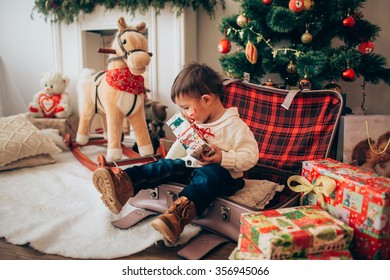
(122, 79)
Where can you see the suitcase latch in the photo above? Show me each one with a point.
(154, 193)
(225, 213)
(171, 197)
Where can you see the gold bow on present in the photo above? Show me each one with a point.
(324, 186)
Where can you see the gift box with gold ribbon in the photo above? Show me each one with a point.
(296, 231)
(359, 198)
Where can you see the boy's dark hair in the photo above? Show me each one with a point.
(195, 80)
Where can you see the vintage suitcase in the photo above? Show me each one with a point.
(290, 126)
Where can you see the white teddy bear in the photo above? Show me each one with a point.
(52, 101)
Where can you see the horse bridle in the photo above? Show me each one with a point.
(126, 53)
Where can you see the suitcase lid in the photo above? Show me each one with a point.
(289, 126)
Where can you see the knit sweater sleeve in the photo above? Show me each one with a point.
(244, 152)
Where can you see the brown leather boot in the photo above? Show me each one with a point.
(171, 223)
(114, 185)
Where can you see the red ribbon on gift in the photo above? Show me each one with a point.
(204, 132)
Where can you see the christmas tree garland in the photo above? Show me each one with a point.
(67, 11)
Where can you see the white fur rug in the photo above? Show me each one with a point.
(57, 210)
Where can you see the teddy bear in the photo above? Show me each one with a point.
(52, 101)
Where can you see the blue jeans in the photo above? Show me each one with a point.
(203, 184)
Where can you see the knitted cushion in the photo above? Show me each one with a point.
(19, 138)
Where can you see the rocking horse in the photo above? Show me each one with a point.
(118, 93)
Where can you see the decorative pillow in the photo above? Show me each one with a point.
(19, 138)
(29, 162)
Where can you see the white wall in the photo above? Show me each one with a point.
(25, 46)
(26, 49)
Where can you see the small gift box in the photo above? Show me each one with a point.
(286, 232)
(360, 199)
(246, 250)
(64, 126)
(190, 136)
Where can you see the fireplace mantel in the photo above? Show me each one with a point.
(171, 39)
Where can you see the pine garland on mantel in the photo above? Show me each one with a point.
(67, 11)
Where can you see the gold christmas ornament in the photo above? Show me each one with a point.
(291, 68)
(308, 5)
(251, 52)
(334, 86)
(241, 20)
(306, 37)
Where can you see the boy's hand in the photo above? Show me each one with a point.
(215, 158)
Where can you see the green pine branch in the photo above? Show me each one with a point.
(67, 11)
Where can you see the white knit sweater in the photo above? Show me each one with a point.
(234, 138)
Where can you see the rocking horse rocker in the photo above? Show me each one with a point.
(116, 94)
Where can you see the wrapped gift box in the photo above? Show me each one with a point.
(189, 136)
(361, 199)
(303, 230)
(64, 126)
(246, 250)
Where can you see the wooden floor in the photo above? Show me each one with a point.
(158, 251)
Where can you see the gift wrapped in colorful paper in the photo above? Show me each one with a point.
(287, 232)
(360, 199)
(190, 136)
(246, 250)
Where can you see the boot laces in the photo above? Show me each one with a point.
(122, 177)
(181, 209)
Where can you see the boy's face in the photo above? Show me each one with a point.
(195, 109)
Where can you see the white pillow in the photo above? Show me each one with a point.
(19, 138)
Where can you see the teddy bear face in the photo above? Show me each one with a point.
(53, 83)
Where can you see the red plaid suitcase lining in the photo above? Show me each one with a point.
(286, 137)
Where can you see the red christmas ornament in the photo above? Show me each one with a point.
(305, 84)
(267, 2)
(296, 5)
(224, 46)
(349, 22)
(269, 83)
(366, 47)
(348, 75)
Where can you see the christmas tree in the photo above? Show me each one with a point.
(309, 43)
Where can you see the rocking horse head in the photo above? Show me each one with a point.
(131, 46)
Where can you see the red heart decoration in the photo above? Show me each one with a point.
(47, 104)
